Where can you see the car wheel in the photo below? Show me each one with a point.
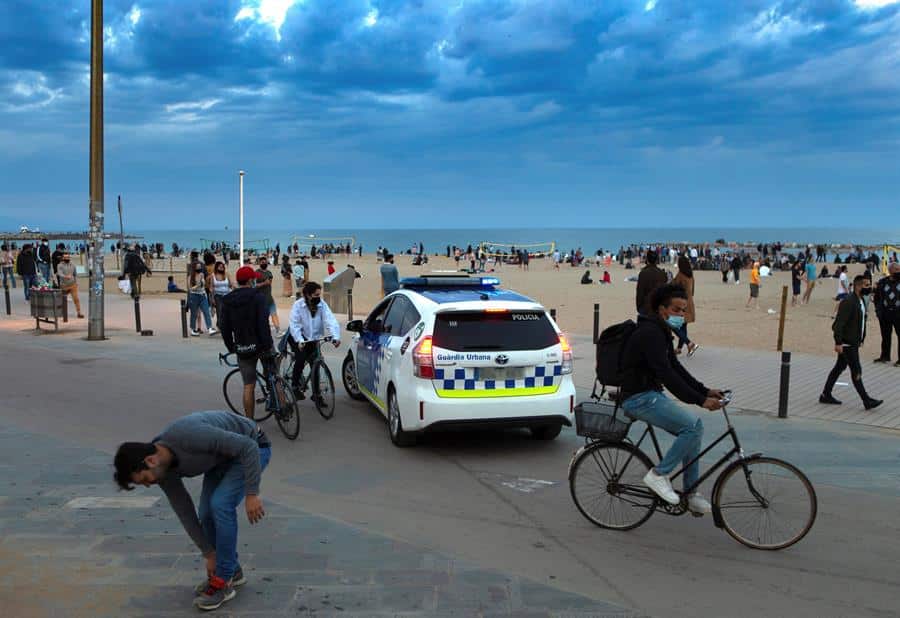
(348, 376)
(395, 424)
(546, 432)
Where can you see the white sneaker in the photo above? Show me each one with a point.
(212, 331)
(195, 333)
(698, 504)
(661, 486)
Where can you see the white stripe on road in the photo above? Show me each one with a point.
(122, 502)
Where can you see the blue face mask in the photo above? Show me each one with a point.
(675, 321)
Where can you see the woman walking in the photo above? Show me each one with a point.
(685, 278)
(198, 300)
(286, 274)
(220, 285)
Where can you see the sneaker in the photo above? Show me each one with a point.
(881, 360)
(823, 398)
(217, 592)
(299, 395)
(897, 364)
(661, 486)
(871, 404)
(212, 331)
(693, 350)
(237, 579)
(195, 333)
(698, 504)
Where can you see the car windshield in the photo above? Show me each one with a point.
(507, 330)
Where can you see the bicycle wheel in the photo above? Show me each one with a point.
(765, 503)
(606, 485)
(287, 414)
(233, 389)
(323, 390)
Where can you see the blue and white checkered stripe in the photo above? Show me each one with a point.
(464, 379)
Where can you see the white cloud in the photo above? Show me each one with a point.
(271, 12)
(372, 18)
(773, 26)
(134, 15)
(651, 4)
(187, 106)
(874, 4)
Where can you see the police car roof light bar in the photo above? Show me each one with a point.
(451, 281)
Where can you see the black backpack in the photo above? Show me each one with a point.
(610, 346)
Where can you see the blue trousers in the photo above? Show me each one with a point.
(223, 491)
(658, 410)
(9, 276)
(27, 282)
(199, 302)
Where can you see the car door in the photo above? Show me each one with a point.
(391, 343)
(368, 350)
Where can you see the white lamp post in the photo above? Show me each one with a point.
(241, 260)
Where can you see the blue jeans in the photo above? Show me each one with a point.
(9, 276)
(45, 270)
(223, 491)
(682, 335)
(658, 410)
(201, 302)
(27, 282)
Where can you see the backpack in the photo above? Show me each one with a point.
(610, 346)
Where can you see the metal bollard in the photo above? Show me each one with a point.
(553, 314)
(183, 311)
(596, 322)
(137, 314)
(6, 294)
(785, 384)
(350, 305)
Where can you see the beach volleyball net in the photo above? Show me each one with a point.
(888, 253)
(537, 249)
(306, 243)
(259, 246)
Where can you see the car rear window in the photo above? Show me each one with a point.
(480, 330)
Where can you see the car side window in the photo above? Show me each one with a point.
(410, 319)
(375, 321)
(393, 324)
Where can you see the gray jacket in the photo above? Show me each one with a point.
(67, 274)
(201, 442)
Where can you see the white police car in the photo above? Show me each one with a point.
(459, 351)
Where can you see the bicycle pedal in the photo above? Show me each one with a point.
(697, 514)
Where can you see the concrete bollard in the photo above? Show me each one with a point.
(785, 385)
(182, 308)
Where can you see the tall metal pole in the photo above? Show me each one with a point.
(95, 232)
(241, 259)
(121, 228)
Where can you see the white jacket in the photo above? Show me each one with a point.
(305, 327)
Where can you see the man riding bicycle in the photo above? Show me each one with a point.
(311, 320)
(245, 331)
(649, 364)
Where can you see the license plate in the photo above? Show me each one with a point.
(499, 373)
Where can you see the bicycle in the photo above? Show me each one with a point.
(283, 406)
(606, 483)
(315, 369)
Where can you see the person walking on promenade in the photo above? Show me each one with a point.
(390, 276)
(685, 278)
(231, 452)
(843, 287)
(298, 272)
(724, 268)
(754, 285)
(26, 266)
(887, 308)
(8, 265)
(849, 330)
(198, 300)
(650, 278)
(68, 280)
(810, 277)
(135, 268)
(245, 331)
(220, 285)
(264, 279)
(43, 259)
(736, 264)
(286, 276)
(798, 271)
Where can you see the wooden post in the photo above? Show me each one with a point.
(784, 297)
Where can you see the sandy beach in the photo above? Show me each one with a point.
(722, 319)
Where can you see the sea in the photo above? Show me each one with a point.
(589, 240)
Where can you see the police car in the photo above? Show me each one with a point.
(458, 351)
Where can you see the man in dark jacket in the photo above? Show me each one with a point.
(650, 278)
(44, 258)
(245, 330)
(887, 308)
(231, 453)
(849, 329)
(649, 364)
(135, 268)
(26, 266)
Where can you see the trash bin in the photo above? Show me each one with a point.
(335, 287)
(48, 306)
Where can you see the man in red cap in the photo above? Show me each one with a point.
(245, 330)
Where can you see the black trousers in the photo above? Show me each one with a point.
(848, 358)
(889, 322)
(302, 355)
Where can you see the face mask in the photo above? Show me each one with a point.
(865, 291)
(263, 266)
(675, 321)
(66, 261)
(314, 301)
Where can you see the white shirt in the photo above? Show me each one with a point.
(843, 287)
(862, 324)
(305, 327)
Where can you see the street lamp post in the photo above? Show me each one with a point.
(95, 231)
(241, 260)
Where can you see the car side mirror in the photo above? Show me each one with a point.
(355, 326)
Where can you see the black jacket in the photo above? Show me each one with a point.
(849, 325)
(245, 322)
(43, 254)
(134, 265)
(649, 363)
(651, 277)
(25, 264)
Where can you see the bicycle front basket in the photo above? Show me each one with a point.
(599, 420)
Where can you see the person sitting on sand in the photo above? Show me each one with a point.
(172, 287)
(606, 278)
(586, 278)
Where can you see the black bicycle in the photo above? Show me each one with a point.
(315, 370)
(762, 502)
(272, 396)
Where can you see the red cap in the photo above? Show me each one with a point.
(245, 274)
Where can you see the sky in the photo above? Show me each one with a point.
(457, 113)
